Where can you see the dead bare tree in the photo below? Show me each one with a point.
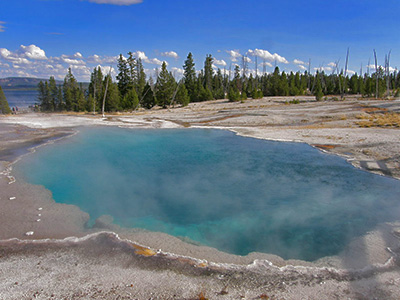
(309, 74)
(376, 76)
(244, 65)
(94, 97)
(256, 66)
(264, 66)
(345, 74)
(387, 67)
(105, 93)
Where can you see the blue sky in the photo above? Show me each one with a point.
(41, 38)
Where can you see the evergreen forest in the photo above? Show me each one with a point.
(132, 89)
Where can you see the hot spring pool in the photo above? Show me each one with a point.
(233, 193)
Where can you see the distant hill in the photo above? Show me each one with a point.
(26, 83)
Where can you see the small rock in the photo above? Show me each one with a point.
(29, 233)
(40, 208)
(38, 220)
(12, 198)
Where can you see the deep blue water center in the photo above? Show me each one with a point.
(233, 193)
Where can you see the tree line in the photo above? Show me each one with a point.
(132, 89)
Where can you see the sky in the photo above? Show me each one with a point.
(43, 38)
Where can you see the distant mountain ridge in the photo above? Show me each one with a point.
(26, 83)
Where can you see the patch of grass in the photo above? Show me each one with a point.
(385, 120)
(294, 101)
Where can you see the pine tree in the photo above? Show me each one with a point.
(96, 89)
(41, 94)
(208, 74)
(189, 76)
(141, 80)
(124, 78)
(148, 100)
(70, 89)
(113, 97)
(318, 88)
(4, 107)
(81, 103)
(182, 96)
(53, 93)
(130, 100)
(165, 86)
(237, 79)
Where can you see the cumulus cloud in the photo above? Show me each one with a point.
(234, 54)
(97, 59)
(351, 72)
(302, 67)
(325, 69)
(247, 59)
(219, 62)
(298, 62)
(78, 55)
(32, 52)
(332, 64)
(266, 64)
(172, 54)
(144, 58)
(2, 28)
(372, 67)
(264, 54)
(116, 2)
(13, 57)
(71, 60)
(177, 72)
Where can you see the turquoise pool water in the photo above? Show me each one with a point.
(233, 193)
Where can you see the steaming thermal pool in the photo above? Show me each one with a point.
(233, 193)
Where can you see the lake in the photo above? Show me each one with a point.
(21, 98)
(218, 189)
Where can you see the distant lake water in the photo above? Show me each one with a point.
(21, 98)
(233, 193)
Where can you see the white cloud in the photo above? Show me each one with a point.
(71, 61)
(156, 61)
(351, 72)
(264, 54)
(302, 67)
(177, 72)
(325, 69)
(266, 64)
(391, 69)
(298, 62)
(32, 52)
(332, 64)
(106, 69)
(97, 59)
(2, 28)
(13, 57)
(234, 54)
(220, 62)
(143, 57)
(172, 54)
(78, 55)
(117, 2)
(247, 59)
